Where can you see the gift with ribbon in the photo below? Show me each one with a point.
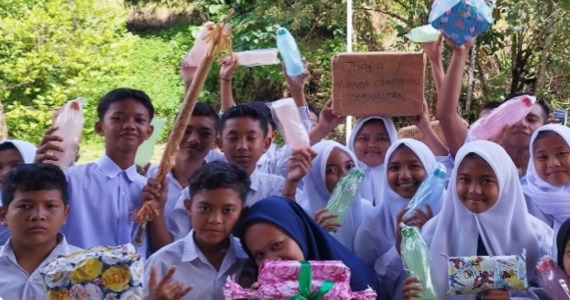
(308, 280)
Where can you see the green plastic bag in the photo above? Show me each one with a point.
(416, 258)
(423, 34)
(344, 193)
(146, 149)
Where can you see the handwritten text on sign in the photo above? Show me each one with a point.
(378, 83)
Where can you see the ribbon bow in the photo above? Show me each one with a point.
(305, 278)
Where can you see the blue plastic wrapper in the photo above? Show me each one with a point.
(461, 20)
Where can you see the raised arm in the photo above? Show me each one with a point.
(228, 66)
(452, 126)
(327, 123)
(297, 86)
(433, 53)
(431, 139)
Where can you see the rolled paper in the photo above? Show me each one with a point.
(286, 114)
(461, 20)
(345, 193)
(254, 58)
(429, 192)
(554, 280)
(477, 274)
(70, 124)
(508, 113)
(286, 279)
(95, 273)
(416, 258)
(146, 149)
(423, 34)
(289, 52)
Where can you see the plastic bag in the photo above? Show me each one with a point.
(255, 58)
(146, 149)
(200, 47)
(423, 34)
(286, 115)
(289, 52)
(70, 124)
(554, 280)
(344, 193)
(477, 274)
(509, 113)
(416, 258)
(429, 192)
(461, 20)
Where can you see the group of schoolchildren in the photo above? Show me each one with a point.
(234, 198)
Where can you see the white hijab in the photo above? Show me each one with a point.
(371, 190)
(553, 201)
(26, 149)
(315, 195)
(506, 228)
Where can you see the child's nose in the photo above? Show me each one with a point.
(37, 214)
(474, 188)
(215, 218)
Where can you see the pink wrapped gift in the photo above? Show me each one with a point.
(284, 280)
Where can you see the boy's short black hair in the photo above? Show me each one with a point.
(314, 109)
(216, 175)
(539, 101)
(244, 110)
(121, 94)
(491, 105)
(206, 110)
(263, 108)
(8, 146)
(33, 177)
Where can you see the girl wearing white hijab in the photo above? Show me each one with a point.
(13, 152)
(484, 214)
(319, 183)
(547, 182)
(369, 141)
(376, 239)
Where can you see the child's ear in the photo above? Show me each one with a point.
(266, 143)
(188, 206)
(150, 131)
(3, 212)
(218, 143)
(99, 128)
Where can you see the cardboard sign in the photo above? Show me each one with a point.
(413, 132)
(378, 83)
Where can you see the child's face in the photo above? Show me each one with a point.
(214, 214)
(314, 118)
(243, 142)
(520, 133)
(405, 172)
(339, 164)
(371, 143)
(477, 185)
(551, 157)
(566, 258)
(199, 138)
(9, 158)
(266, 241)
(125, 125)
(35, 217)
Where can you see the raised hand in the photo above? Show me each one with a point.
(166, 289)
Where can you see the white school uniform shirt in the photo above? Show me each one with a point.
(17, 283)
(315, 195)
(505, 229)
(376, 238)
(262, 186)
(174, 189)
(28, 151)
(193, 268)
(103, 200)
(372, 188)
(215, 155)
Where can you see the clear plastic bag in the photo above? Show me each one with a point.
(423, 34)
(286, 115)
(344, 193)
(416, 258)
(289, 52)
(429, 192)
(70, 124)
(146, 149)
(555, 282)
(254, 58)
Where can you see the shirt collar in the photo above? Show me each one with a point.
(61, 249)
(254, 179)
(112, 170)
(191, 252)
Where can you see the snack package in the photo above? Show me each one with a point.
(286, 115)
(508, 113)
(416, 258)
(256, 58)
(70, 124)
(289, 52)
(344, 193)
(95, 273)
(146, 149)
(287, 279)
(423, 34)
(561, 115)
(461, 20)
(554, 281)
(200, 47)
(429, 192)
(477, 274)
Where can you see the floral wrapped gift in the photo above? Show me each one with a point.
(476, 274)
(461, 20)
(97, 273)
(284, 280)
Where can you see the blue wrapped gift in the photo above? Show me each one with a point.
(461, 20)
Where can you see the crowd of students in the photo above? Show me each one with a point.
(235, 198)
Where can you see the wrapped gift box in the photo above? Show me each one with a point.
(461, 20)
